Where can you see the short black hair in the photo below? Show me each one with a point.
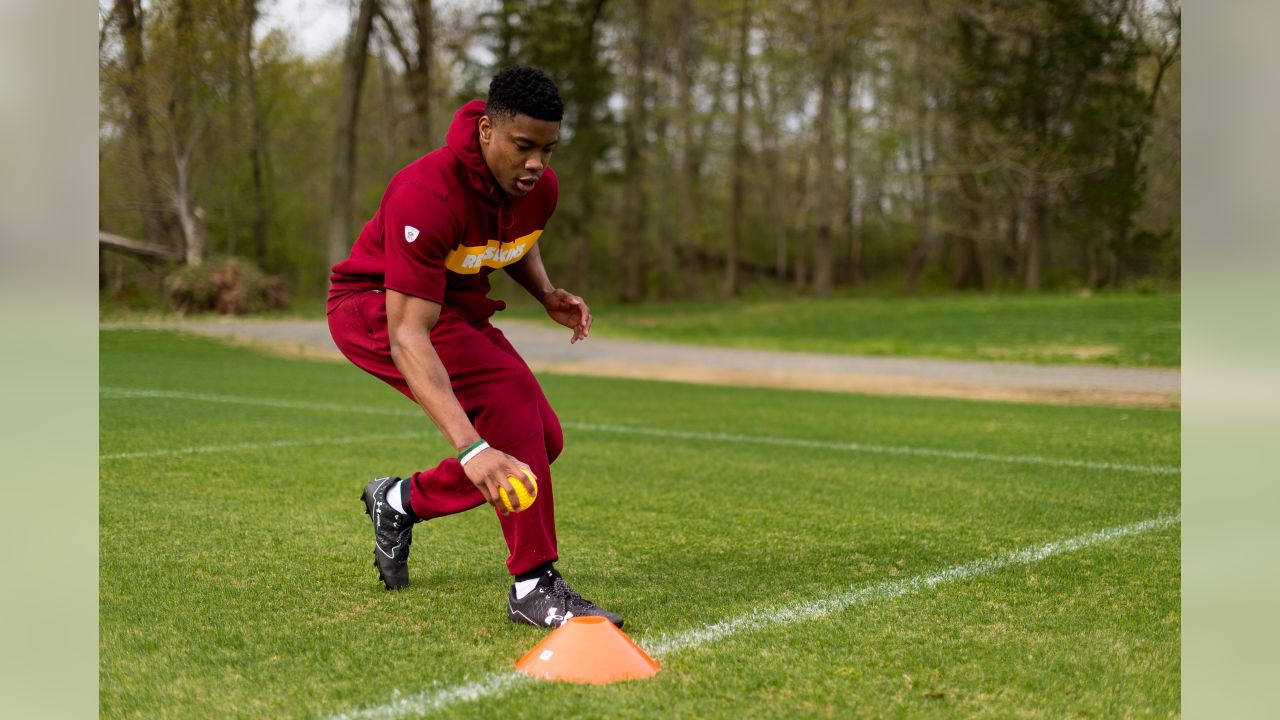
(524, 91)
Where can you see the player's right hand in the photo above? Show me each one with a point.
(489, 471)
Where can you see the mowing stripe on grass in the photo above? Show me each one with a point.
(866, 448)
(439, 697)
(109, 393)
(257, 446)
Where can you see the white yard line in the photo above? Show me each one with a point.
(110, 393)
(114, 393)
(259, 445)
(441, 697)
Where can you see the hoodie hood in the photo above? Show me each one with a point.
(463, 140)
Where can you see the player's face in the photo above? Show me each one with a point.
(518, 150)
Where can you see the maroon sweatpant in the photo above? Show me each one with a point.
(499, 394)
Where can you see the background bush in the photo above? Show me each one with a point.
(230, 287)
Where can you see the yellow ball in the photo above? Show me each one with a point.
(521, 493)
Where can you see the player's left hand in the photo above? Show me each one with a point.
(570, 311)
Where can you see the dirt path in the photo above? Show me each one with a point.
(547, 349)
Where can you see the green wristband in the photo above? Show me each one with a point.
(473, 450)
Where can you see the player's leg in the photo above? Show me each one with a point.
(352, 331)
(500, 395)
(540, 596)
(497, 392)
(509, 409)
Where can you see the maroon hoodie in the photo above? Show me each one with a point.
(444, 225)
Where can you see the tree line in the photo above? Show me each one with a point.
(708, 147)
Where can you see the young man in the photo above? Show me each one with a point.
(410, 306)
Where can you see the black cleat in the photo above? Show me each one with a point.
(553, 602)
(392, 533)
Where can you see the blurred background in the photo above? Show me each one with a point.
(710, 148)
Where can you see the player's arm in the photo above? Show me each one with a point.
(563, 306)
(409, 323)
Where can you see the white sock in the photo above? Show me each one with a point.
(397, 496)
(524, 587)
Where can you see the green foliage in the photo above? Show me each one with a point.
(1155, 256)
(234, 554)
(1000, 105)
(228, 287)
(1054, 83)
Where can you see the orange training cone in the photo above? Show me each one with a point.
(587, 650)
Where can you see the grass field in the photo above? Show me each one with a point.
(962, 559)
(1108, 329)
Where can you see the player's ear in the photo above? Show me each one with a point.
(486, 129)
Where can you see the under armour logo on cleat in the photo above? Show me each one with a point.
(554, 619)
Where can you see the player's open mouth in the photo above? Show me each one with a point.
(526, 184)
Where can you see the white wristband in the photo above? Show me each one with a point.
(474, 451)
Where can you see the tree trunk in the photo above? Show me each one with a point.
(800, 222)
(186, 128)
(635, 234)
(419, 75)
(777, 205)
(833, 17)
(344, 144)
(853, 235)
(858, 234)
(739, 160)
(386, 87)
(506, 33)
(967, 272)
(916, 258)
(665, 232)
(871, 208)
(154, 221)
(150, 252)
(924, 206)
(1012, 238)
(826, 180)
(418, 68)
(1093, 271)
(257, 143)
(779, 199)
(694, 159)
(191, 218)
(1038, 113)
(1038, 233)
(585, 99)
(686, 65)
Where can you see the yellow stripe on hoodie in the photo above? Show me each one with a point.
(468, 259)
